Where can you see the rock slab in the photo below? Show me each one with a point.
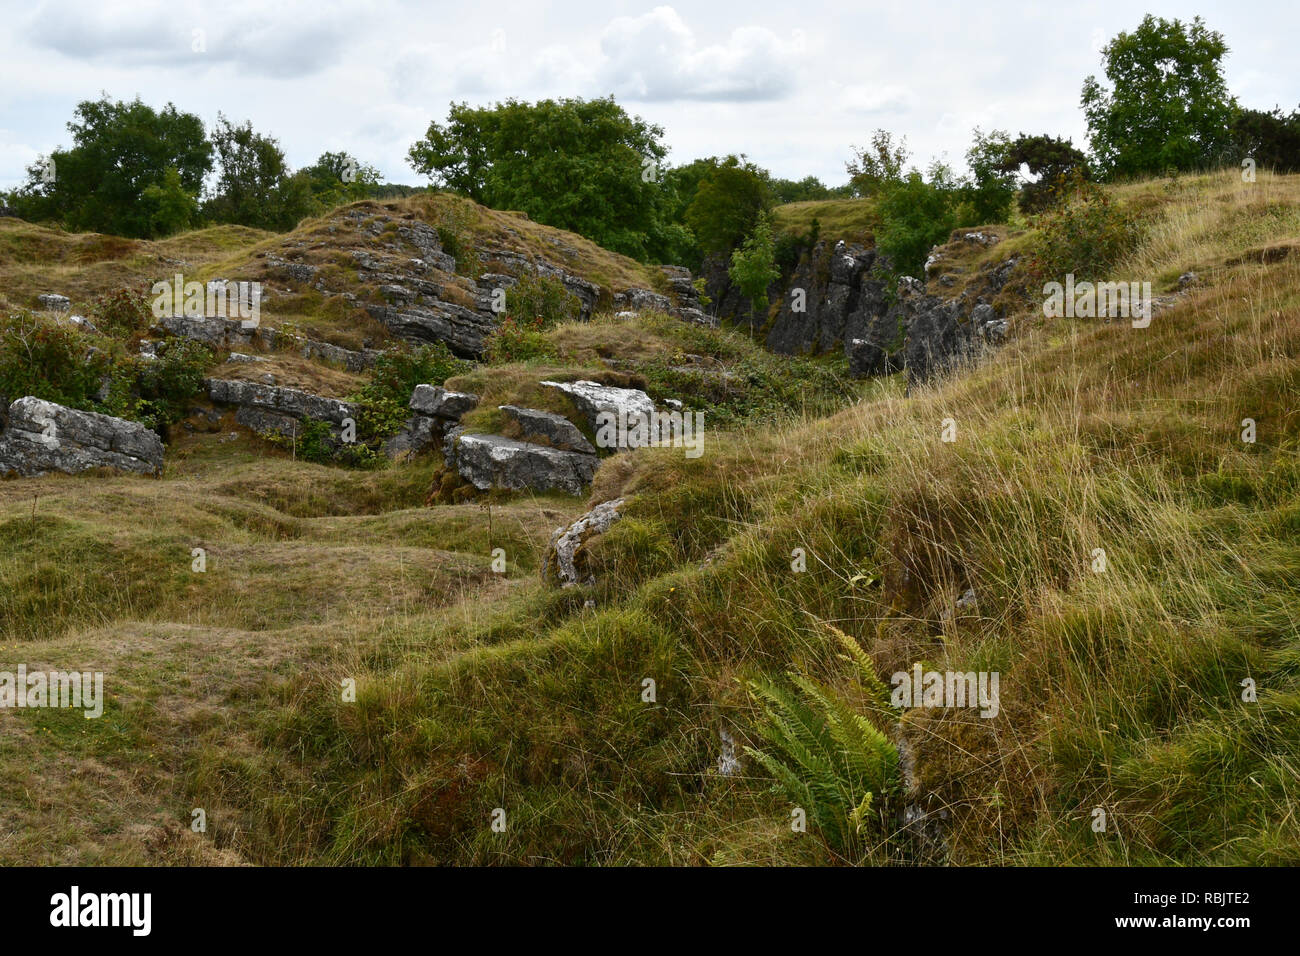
(40, 437)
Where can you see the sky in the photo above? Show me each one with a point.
(794, 86)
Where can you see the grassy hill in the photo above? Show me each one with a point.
(849, 219)
(1121, 689)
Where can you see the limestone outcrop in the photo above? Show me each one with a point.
(40, 437)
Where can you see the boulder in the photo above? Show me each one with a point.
(491, 461)
(221, 333)
(420, 433)
(52, 302)
(565, 563)
(289, 402)
(441, 402)
(643, 300)
(554, 430)
(40, 437)
(593, 398)
(465, 331)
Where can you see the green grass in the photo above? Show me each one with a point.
(851, 219)
(1120, 690)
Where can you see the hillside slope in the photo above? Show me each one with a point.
(1121, 681)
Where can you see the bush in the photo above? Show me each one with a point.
(753, 266)
(992, 187)
(519, 340)
(383, 402)
(544, 298)
(51, 362)
(158, 392)
(123, 312)
(916, 215)
(1085, 236)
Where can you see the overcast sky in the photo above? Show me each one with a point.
(794, 85)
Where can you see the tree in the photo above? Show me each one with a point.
(253, 186)
(992, 187)
(581, 165)
(806, 189)
(1168, 109)
(877, 167)
(753, 265)
(1271, 139)
(170, 208)
(727, 205)
(1052, 160)
(337, 178)
(916, 214)
(119, 151)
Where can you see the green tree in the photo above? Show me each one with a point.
(992, 188)
(728, 204)
(1054, 162)
(337, 178)
(119, 151)
(582, 165)
(170, 207)
(1271, 139)
(253, 186)
(753, 265)
(1168, 109)
(916, 214)
(876, 168)
(806, 189)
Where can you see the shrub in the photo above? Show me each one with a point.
(123, 311)
(753, 265)
(519, 340)
(383, 402)
(542, 297)
(915, 216)
(159, 391)
(1086, 235)
(992, 187)
(51, 362)
(454, 246)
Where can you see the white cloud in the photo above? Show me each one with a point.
(288, 39)
(889, 98)
(655, 57)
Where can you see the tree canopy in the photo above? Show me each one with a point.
(1168, 107)
(120, 152)
(582, 165)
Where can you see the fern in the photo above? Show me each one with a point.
(827, 757)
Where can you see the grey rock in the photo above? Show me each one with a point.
(643, 300)
(419, 434)
(81, 323)
(40, 437)
(564, 562)
(491, 461)
(464, 330)
(53, 302)
(557, 430)
(593, 399)
(221, 333)
(440, 402)
(287, 403)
